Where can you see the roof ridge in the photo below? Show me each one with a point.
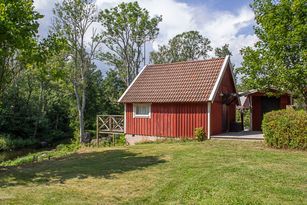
(185, 62)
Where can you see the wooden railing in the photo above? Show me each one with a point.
(109, 124)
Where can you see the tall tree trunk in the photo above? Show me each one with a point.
(81, 124)
(82, 131)
(80, 107)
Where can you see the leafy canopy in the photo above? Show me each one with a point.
(126, 28)
(18, 29)
(185, 46)
(222, 51)
(279, 57)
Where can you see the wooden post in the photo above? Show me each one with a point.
(242, 119)
(97, 130)
(113, 140)
(110, 124)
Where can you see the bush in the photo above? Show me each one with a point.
(4, 143)
(199, 134)
(285, 129)
(8, 143)
(122, 139)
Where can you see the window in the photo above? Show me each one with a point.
(141, 110)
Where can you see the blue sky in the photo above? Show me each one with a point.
(222, 21)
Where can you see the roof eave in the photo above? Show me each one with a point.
(121, 98)
(219, 79)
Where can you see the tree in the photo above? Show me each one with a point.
(223, 51)
(127, 28)
(73, 21)
(97, 101)
(279, 57)
(19, 26)
(35, 104)
(114, 87)
(185, 46)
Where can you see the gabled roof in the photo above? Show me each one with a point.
(190, 81)
(264, 91)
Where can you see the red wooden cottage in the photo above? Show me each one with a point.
(171, 100)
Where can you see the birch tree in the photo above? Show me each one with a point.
(73, 21)
(127, 27)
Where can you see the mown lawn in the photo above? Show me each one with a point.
(213, 172)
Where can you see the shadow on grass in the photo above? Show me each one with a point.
(79, 166)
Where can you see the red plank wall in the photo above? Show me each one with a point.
(257, 111)
(226, 86)
(284, 101)
(168, 120)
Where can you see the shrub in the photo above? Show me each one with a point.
(122, 139)
(199, 134)
(8, 143)
(3, 143)
(285, 129)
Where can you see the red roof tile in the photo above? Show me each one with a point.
(190, 81)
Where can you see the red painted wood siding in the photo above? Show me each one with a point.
(168, 120)
(284, 101)
(226, 86)
(257, 114)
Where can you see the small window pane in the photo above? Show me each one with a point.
(142, 109)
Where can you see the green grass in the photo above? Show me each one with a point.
(212, 172)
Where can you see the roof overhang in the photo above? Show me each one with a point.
(220, 79)
(121, 97)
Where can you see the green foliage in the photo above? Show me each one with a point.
(114, 87)
(185, 46)
(122, 139)
(279, 58)
(73, 20)
(223, 51)
(9, 143)
(285, 129)
(37, 106)
(19, 26)
(200, 134)
(126, 29)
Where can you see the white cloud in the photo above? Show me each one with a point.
(219, 26)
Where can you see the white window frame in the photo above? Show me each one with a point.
(141, 116)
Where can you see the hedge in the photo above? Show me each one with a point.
(285, 129)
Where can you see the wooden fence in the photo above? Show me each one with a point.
(109, 124)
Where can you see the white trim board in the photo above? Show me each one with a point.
(209, 120)
(233, 79)
(121, 97)
(219, 79)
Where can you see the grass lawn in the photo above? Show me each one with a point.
(213, 172)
